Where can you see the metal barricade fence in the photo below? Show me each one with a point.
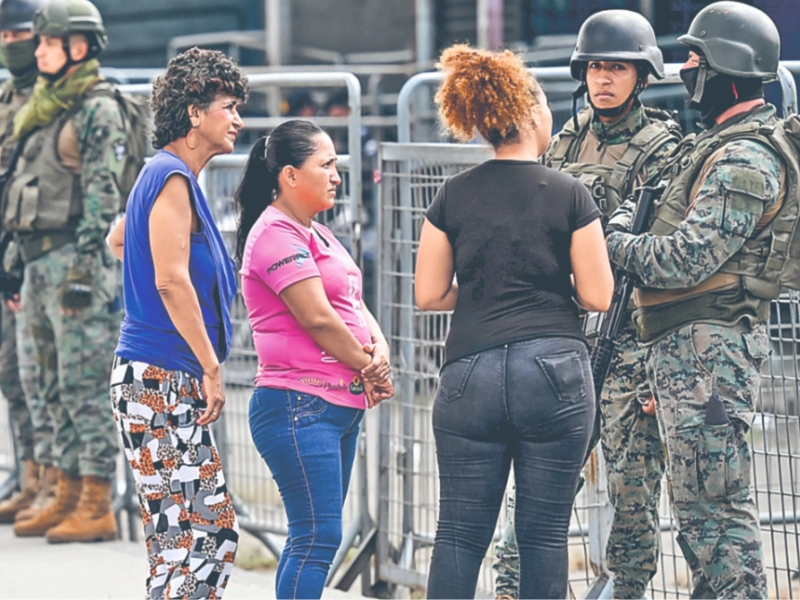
(256, 496)
(408, 485)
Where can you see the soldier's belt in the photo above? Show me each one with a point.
(34, 245)
(645, 297)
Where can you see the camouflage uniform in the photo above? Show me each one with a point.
(705, 370)
(30, 423)
(506, 554)
(630, 438)
(74, 350)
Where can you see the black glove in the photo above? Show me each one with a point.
(78, 285)
(9, 284)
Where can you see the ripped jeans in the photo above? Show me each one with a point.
(529, 402)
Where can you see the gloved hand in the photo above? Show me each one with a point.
(77, 287)
(10, 284)
(622, 218)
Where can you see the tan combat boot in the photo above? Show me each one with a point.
(25, 497)
(67, 493)
(45, 496)
(92, 520)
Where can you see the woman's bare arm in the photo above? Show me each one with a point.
(116, 238)
(309, 304)
(434, 286)
(591, 269)
(170, 225)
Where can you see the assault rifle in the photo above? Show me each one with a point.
(608, 324)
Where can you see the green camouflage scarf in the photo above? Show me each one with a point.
(49, 100)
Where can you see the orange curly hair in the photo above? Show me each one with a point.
(488, 91)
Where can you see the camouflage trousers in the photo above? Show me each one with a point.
(73, 356)
(634, 459)
(706, 378)
(506, 554)
(30, 423)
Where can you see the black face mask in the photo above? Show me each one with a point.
(713, 93)
(710, 93)
(689, 78)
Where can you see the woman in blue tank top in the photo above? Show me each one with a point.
(178, 285)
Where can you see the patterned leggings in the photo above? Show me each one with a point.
(189, 523)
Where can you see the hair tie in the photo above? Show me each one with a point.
(266, 143)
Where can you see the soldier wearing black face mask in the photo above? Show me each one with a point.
(30, 423)
(713, 88)
(707, 270)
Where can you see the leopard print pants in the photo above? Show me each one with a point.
(189, 523)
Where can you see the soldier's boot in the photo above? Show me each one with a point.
(26, 495)
(44, 497)
(68, 491)
(92, 520)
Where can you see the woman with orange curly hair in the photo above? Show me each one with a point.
(526, 247)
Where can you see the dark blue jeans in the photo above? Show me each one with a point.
(309, 445)
(530, 403)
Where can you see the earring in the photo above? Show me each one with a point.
(188, 145)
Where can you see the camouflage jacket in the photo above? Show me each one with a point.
(720, 215)
(101, 131)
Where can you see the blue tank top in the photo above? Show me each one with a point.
(147, 333)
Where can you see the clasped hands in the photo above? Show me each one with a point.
(378, 384)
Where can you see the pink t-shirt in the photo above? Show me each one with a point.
(278, 253)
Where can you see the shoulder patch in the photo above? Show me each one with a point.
(747, 181)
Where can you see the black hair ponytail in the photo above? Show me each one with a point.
(291, 143)
(255, 193)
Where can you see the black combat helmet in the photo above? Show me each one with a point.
(736, 39)
(621, 35)
(17, 15)
(618, 35)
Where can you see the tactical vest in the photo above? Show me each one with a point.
(763, 259)
(10, 103)
(611, 185)
(44, 194)
(768, 261)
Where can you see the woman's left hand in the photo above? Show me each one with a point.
(378, 393)
(379, 368)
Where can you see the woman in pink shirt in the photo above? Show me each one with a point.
(322, 357)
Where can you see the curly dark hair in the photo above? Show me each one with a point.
(193, 77)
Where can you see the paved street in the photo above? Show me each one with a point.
(33, 569)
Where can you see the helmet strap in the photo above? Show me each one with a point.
(90, 53)
(575, 95)
(703, 76)
(52, 77)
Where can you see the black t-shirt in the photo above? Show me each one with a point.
(510, 224)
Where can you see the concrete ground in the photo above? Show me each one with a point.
(30, 568)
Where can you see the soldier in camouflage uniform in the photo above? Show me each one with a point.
(706, 280)
(59, 202)
(30, 423)
(614, 145)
